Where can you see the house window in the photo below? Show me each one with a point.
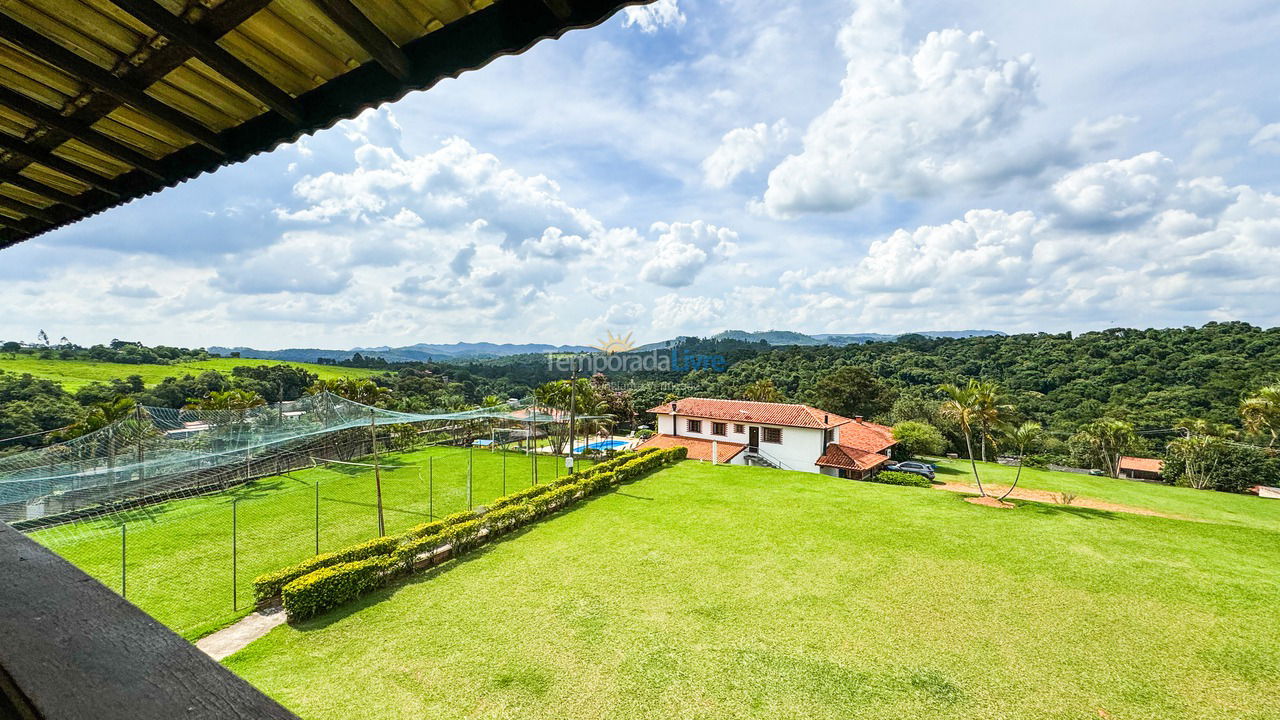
(693, 426)
(719, 429)
(737, 428)
(772, 435)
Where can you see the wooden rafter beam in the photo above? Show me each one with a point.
(212, 54)
(79, 130)
(18, 180)
(128, 94)
(44, 157)
(29, 210)
(367, 35)
(562, 9)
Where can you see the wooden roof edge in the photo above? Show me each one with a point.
(464, 45)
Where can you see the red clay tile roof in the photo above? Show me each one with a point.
(850, 458)
(754, 412)
(1150, 465)
(698, 449)
(866, 436)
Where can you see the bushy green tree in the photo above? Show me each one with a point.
(916, 438)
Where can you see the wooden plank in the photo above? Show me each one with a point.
(212, 54)
(48, 117)
(40, 155)
(367, 35)
(74, 649)
(76, 66)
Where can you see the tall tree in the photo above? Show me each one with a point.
(1106, 441)
(762, 390)
(961, 407)
(1261, 412)
(851, 390)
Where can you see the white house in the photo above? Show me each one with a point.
(792, 437)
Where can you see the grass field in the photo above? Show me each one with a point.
(74, 374)
(1183, 502)
(718, 592)
(178, 555)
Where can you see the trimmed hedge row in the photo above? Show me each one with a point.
(329, 580)
(895, 477)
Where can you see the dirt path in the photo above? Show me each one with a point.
(1044, 496)
(235, 637)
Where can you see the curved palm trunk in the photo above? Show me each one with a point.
(968, 442)
(1017, 476)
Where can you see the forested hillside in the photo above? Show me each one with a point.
(1152, 378)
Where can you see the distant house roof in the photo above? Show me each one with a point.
(767, 413)
(698, 449)
(850, 458)
(1151, 465)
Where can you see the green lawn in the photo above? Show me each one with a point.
(1203, 505)
(179, 554)
(74, 374)
(719, 592)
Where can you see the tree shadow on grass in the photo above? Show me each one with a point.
(1048, 509)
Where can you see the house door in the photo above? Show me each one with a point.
(753, 438)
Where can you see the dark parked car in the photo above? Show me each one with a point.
(913, 467)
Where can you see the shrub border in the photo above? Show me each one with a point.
(326, 581)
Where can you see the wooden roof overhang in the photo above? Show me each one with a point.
(104, 101)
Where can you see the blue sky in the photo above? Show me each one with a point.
(698, 165)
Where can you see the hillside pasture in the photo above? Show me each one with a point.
(75, 374)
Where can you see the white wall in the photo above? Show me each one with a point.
(799, 449)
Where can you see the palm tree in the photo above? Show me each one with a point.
(363, 391)
(762, 391)
(961, 407)
(103, 416)
(1261, 412)
(1021, 436)
(237, 400)
(1108, 439)
(990, 408)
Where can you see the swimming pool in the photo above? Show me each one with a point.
(602, 445)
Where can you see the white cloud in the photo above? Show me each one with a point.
(688, 314)
(1193, 250)
(683, 250)
(1116, 190)
(743, 150)
(907, 123)
(654, 16)
(1267, 139)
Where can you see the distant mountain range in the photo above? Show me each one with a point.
(424, 352)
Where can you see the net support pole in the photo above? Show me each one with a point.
(504, 472)
(235, 504)
(317, 517)
(431, 488)
(123, 554)
(471, 454)
(377, 472)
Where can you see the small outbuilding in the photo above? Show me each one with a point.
(1141, 468)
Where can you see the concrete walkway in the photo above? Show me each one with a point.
(236, 637)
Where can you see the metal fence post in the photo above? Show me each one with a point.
(235, 502)
(504, 472)
(123, 554)
(431, 488)
(470, 465)
(317, 517)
